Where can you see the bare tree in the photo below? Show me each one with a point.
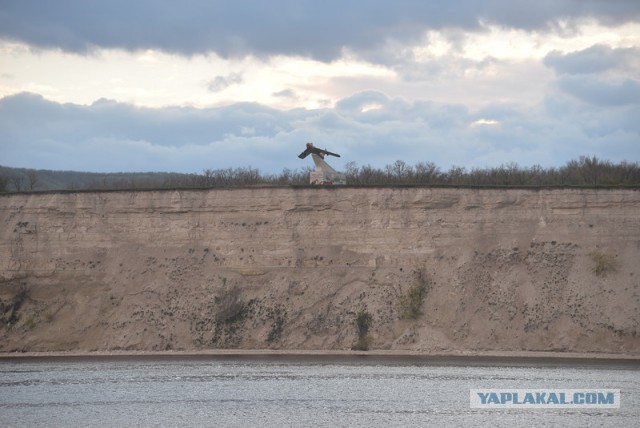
(17, 180)
(32, 176)
(4, 183)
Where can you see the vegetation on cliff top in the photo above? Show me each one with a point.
(586, 171)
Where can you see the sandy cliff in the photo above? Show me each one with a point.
(291, 268)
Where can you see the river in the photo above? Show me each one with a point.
(297, 391)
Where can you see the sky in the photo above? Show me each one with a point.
(157, 85)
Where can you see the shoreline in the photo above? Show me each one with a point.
(456, 358)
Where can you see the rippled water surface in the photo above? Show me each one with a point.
(294, 392)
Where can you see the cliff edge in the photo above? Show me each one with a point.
(423, 269)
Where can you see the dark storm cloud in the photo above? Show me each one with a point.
(595, 59)
(318, 29)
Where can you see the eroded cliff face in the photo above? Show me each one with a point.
(287, 268)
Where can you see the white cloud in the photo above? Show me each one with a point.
(482, 122)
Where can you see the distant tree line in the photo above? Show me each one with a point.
(586, 171)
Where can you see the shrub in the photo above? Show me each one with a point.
(363, 322)
(362, 344)
(411, 303)
(279, 316)
(31, 323)
(230, 307)
(603, 263)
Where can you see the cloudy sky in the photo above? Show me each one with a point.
(158, 85)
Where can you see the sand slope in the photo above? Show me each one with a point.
(291, 268)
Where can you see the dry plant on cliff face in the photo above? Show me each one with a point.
(603, 263)
(363, 322)
(230, 307)
(410, 304)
